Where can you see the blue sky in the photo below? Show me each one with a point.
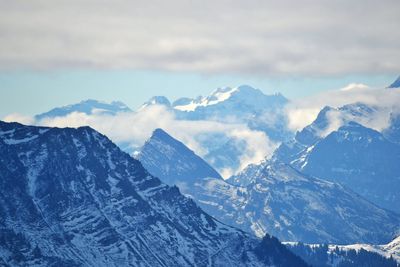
(33, 92)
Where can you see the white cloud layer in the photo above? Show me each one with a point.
(260, 37)
(135, 128)
(303, 111)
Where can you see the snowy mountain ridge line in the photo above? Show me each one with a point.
(219, 95)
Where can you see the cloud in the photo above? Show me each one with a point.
(132, 129)
(258, 147)
(311, 37)
(16, 117)
(355, 86)
(302, 112)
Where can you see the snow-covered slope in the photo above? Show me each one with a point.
(242, 96)
(88, 107)
(243, 104)
(70, 197)
(297, 207)
(219, 95)
(392, 249)
(355, 255)
(279, 200)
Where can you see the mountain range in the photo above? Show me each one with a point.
(243, 105)
(275, 199)
(88, 107)
(70, 197)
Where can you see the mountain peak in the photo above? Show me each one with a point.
(156, 100)
(173, 162)
(89, 106)
(161, 134)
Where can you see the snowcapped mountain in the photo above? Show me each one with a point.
(244, 98)
(279, 200)
(360, 158)
(89, 106)
(241, 105)
(156, 100)
(353, 155)
(242, 108)
(70, 197)
(328, 120)
(161, 149)
(218, 96)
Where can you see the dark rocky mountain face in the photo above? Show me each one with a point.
(161, 149)
(274, 198)
(70, 197)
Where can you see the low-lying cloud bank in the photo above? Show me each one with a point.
(302, 112)
(134, 128)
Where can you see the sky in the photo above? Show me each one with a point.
(54, 53)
